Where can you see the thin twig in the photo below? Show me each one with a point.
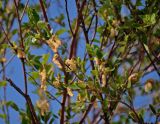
(22, 46)
(6, 35)
(96, 23)
(7, 62)
(24, 10)
(76, 29)
(150, 59)
(68, 17)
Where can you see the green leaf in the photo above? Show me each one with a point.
(60, 31)
(146, 47)
(96, 40)
(3, 116)
(33, 15)
(99, 53)
(90, 49)
(73, 86)
(129, 84)
(152, 109)
(149, 19)
(45, 58)
(41, 24)
(51, 121)
(94, 72)
(13, 105)
(157, 33)
(14, 31)
(3, 83)
(35, 74)
(133, 116)
(81, 85)
(105, 105)
(139, 3)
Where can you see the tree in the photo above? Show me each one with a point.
(92, 60)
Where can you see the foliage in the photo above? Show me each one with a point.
(87, 60)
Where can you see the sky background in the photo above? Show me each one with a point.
(14, 70)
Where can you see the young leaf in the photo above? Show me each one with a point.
(3, 83)
(152, 109)
(13, 105)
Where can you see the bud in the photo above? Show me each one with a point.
(97, 61)
(133, 78)
(56, 60)
(57, 83)
(3, 59)
(20, 54)
(148, 85)
(69, 91)
(113, 33)
(103, 80)
(43, 105)
(43, 77)
(115, 23)
(95, 104)
(71, 64)
(54, 43)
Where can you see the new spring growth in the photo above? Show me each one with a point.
(69, 91)
(3, 59)
(56, 60)
(43, 77)
(133, 78)
(103, 72)
(54, 43)
(101, 69)
(56, 82)
(42, 103)
(20, 53)
(148, 85)
(113, 30)
(71, 64)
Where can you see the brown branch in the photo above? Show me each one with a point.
(19, 23)
(28, 100)
(74, 40)
(66, 6)
(64, 99)
(6, 35)
(87, 111)
(96, 23)
(152, 62)
(96, 116)
(133, 110)
(23, 48)
(24, 10)
(63, 106)
(25, 76)
(45, 14)
(87, 41)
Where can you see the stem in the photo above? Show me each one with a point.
(76, 29)
(152, 62)
(63, 106)
(25, 76)
(22, 46)
(66, 6)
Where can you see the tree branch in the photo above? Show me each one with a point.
(28, 100)
(44, 14)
